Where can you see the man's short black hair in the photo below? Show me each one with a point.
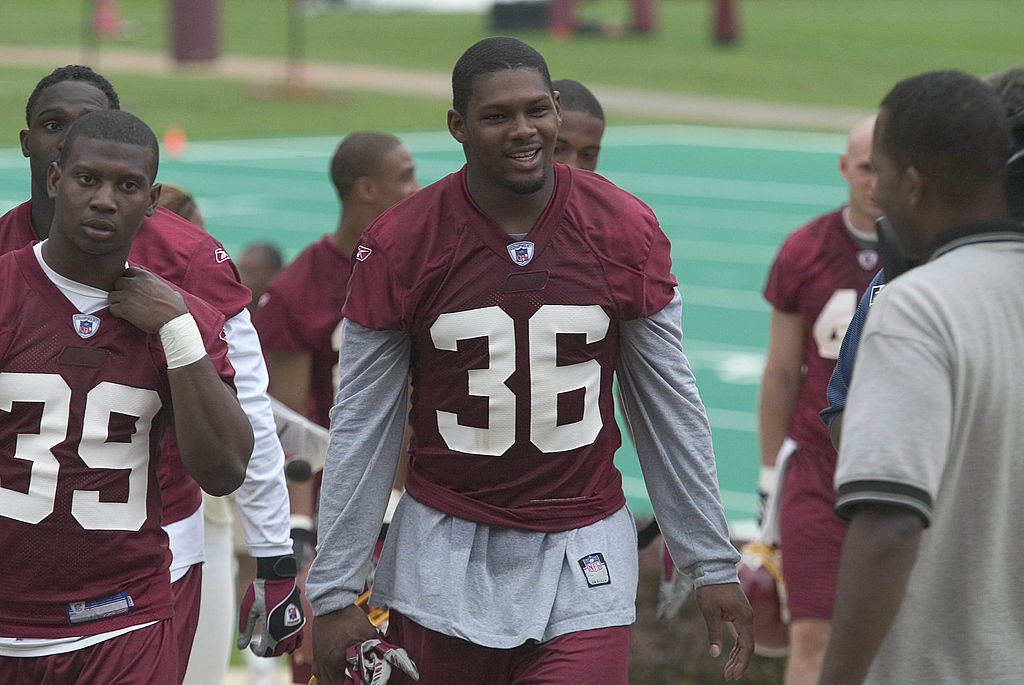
(72, 72)
(488, 56)
(116, 126)
(951, 127)
(358, 155)
(576, 97)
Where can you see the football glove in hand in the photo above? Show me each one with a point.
(373, 662)
(273, 601)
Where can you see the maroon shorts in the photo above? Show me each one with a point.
(594, 657)
(146, 656)
(186, 592)
(811, 535)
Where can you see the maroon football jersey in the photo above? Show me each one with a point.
(84, 401)
(514, 344)
(186, 256)
(819, 273)
(301, 311)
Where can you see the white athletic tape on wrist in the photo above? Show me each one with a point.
(301, 521)
(183, 344)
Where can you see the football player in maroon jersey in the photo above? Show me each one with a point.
(513, 291)
(813, 287)
(96, 357)
(300, 314)
(257, 266)
(579, 137)
(186, 256)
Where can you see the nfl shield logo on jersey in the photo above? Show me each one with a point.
(868, 259)
(85, 325)
(521, 252)
(362, 253)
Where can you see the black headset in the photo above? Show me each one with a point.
(1015, 167)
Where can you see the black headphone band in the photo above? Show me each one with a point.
(988, 231)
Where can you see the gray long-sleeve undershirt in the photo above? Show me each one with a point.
(499, 586)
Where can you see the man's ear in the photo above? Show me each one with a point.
(364, 189)
(844, 167)
(457, 125)
(52, 177)
(915, 187)
(23, 137)
(557, 98)
(154, 198)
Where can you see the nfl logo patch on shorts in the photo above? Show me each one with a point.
(595, 570)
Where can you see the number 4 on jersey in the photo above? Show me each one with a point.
(832, 322)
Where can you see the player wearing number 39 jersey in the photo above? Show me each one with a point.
(83, 403)
(97, 359)
(512, 292)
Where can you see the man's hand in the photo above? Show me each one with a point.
(274, 602)
(333, 634)
(727, 603)
(145, 301)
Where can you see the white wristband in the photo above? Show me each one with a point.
(182, 341)
(301, 521)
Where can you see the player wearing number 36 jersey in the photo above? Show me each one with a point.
(516, 344)
(513, 292)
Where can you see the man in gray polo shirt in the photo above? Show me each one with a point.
(929, 467)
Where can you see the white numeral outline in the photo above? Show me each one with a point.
(832, 322)
(94, 450)
(547, 378)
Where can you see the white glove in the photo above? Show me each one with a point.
(374, 661)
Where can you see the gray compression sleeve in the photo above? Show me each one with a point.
(673, 441)
(367, 423)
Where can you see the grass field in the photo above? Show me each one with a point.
(837, 52)
(823, 51)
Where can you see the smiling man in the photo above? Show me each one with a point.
(513, 291)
